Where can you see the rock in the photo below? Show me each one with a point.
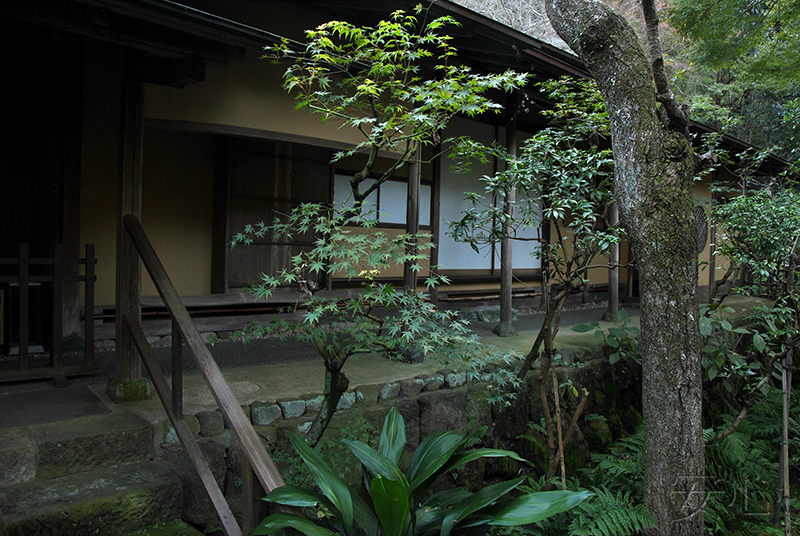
(265, 414)
(504, 329)
(17, 457)
(292, 408)
(211, 423)
(106, 345)
(313, 404)
(390, 391)
(346, 401)
(171, 436)
(442, 410)
(90, 443)
(412, 387)
(432, 382)
(113, 500)
(369, 393)
(412, 355)
(196, 506)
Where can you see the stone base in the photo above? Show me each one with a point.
(130, 391)
(504, 329)
(608, 316)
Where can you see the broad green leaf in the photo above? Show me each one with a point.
(758, 342)
(280, 521)
(712, 372)
(393, 436)
(583, 328)
(364, 516)
(534, 507)
(481, 499)
(613, 358)
(706, 326)
(619, 333)
(376, 463)
(327, 480)
(432, 453)
(622, 315)
(461, 458)
(294, 496)
(390, 499)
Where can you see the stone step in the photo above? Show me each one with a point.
(57, 449)
(112, 500)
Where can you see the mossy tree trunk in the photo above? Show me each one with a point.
(654, 166)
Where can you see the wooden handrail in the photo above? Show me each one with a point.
(253, 450)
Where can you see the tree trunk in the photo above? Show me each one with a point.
(654, 167)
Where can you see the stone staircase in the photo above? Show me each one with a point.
(92, 475)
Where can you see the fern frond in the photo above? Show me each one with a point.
(610, 514)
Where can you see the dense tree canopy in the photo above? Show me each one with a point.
(755, 39)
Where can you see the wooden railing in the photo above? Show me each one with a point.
(259, 473)
(64, 271)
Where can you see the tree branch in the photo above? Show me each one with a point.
(748, 403)
(677, 117)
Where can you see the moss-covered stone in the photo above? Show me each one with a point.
(533, 448)
(130, 391)
(17, 457)
(90, 443)
(112, 500)
(173, 528)
(598, 435)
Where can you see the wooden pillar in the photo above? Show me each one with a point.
(129, 270)
(612, 313)
(505, 328)
(412, 216)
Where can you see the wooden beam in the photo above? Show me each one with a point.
(504, 328)
(129, 271)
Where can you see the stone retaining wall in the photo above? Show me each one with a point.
(428, 403)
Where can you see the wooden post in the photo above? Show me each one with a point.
(129, 271)
(612, 313)
(412, 216)
(505, 328)
(89, 305)
(24, 335)
(253, 510)
(58, 308)
(177, 371)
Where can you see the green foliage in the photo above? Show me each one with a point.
(356, 253)
(757, 39)
(558, 178)
(721, 340)
(400, 502)
(620, 340)
(380, 318)
(622, 467)
(610, 514)
(615, 506)
(760, 233)
(295, 472)
(740, 480)
(370, 79)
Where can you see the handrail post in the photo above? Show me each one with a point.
(58, 308)
(177, 371)
(24, 272)
(253, 510)
(89, 305)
